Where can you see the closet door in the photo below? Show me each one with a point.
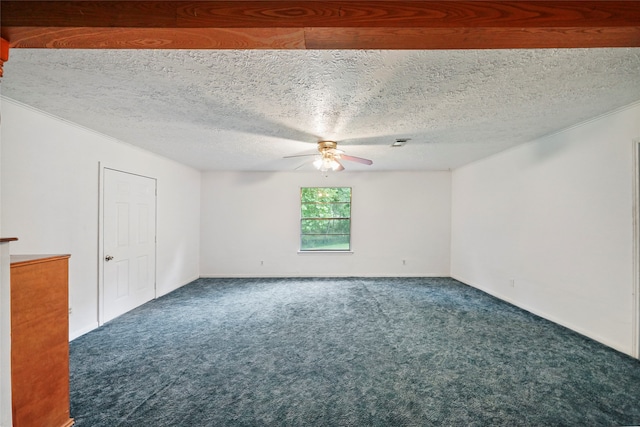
(129, 241)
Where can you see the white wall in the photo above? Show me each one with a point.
(49, 178)
(555, 215)
(5, 324)
(252, 217)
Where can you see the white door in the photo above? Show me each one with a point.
(129, 242)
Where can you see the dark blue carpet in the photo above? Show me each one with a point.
(344, 352)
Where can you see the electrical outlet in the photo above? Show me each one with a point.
(261, 263)
(70, 311)
(512, 283)
(404, 262)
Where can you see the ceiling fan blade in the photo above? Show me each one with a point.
(301, 166)
(340, 167)
(300, 155)
(356, 159)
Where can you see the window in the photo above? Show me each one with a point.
(325, 219)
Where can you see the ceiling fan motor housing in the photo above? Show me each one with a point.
(326, 145)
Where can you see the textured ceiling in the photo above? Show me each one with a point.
(245, 110)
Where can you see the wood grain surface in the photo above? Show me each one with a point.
(40, 340)
(310, 24)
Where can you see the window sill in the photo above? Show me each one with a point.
(325, 252)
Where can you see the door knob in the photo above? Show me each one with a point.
(108, 258)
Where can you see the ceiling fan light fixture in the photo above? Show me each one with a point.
(318, 163)
(327, 163)
(335, 166)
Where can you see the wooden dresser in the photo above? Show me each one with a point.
(40, 341)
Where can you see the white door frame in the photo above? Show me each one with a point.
(635, 326)
(102, 167)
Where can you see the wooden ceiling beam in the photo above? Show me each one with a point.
(4, 54)
(318, 24)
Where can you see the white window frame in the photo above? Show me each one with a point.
(350, 218)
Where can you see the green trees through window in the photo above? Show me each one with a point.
(325, 219)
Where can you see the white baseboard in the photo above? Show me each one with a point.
(546, 316)
(94, 325)
(78, 333)
(293, 276)
(181, 284)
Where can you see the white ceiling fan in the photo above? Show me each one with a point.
(330, 156)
